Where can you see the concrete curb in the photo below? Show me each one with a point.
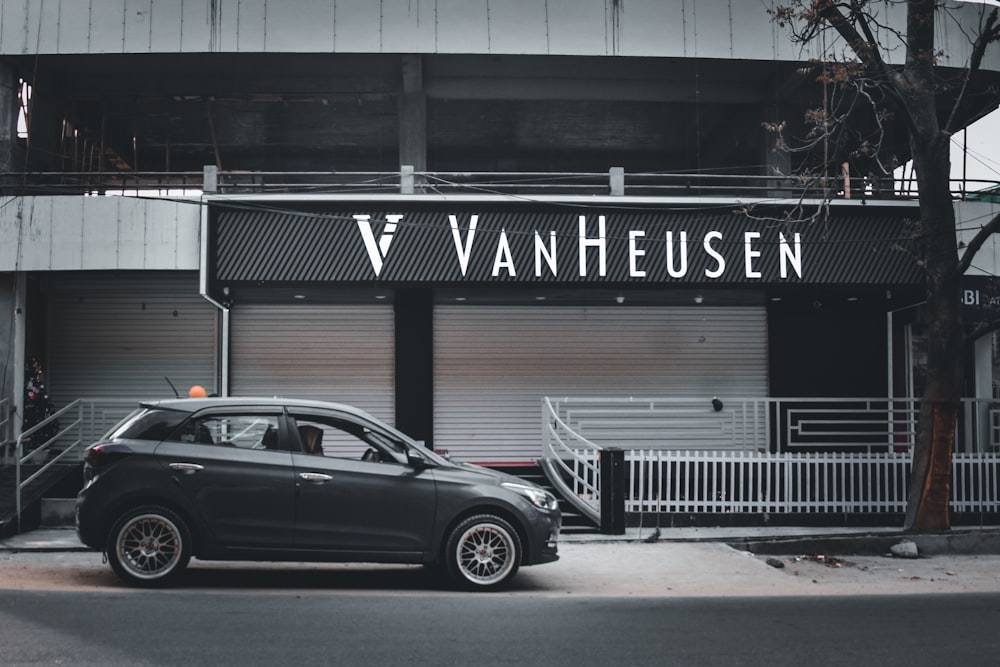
(955, 542)
(770, 542)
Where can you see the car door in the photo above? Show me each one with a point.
(350, 500)
(236, 472)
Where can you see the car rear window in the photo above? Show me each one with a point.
(148, 424)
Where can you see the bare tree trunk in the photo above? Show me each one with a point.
(913, 96)
(930, 484)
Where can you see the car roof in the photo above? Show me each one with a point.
(195, 404)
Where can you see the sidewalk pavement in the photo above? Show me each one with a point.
(777, 540)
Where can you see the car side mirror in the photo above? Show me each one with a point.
(415, 460)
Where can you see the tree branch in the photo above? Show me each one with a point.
(990, 228)
(867, 51)
(989, 34)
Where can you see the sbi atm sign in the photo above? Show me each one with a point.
(980, 299)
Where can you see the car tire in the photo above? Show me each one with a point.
(483, 552)
(149, 546)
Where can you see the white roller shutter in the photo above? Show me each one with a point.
(342, 353)
(494, 364)
(119, 337)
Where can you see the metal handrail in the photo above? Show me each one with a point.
(21, 458)
(585, 494)
(613, 182)
(6, 430)
(577, 429)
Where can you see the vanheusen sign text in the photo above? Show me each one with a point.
(587, 253)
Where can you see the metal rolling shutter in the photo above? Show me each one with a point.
(118, 337)
(339, 353)
(493, 365)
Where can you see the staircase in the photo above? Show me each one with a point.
(573, 522)
(31, 494)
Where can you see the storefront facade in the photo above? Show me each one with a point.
(452, 319)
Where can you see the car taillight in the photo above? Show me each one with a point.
(105, 453)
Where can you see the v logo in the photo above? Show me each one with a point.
(377, 250)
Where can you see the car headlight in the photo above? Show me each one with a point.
(538, 497)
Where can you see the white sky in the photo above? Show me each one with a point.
(982, 159)
(982, 155)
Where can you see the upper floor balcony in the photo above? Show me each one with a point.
(541, 185)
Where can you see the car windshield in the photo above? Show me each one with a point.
(147, 424)
(400, 445)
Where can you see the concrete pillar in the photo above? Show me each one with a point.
(9, 88)
(983, 354)
(414, 317)
(616, 176)
(13, 295)
(413, 115)
(44, 151)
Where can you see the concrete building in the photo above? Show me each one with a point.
(444, 211)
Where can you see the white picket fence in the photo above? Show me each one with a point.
(870, 473)
(699, 481)
(696, 482)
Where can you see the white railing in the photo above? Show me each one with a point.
(571, 463)
(101, 414)
(6, 431)
(64, 443)
(761, 455)
(671, 481)
(67, 432)
(763, 424)
(662, 422)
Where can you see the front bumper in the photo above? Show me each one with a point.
(545, 542)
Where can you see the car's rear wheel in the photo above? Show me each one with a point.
(149, 546)
(483, 552)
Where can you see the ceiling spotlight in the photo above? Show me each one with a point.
(620, 298)
(699, 299)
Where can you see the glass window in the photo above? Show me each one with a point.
(329, 436)
(244, 431)
(147, 424)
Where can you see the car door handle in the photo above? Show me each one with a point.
(186, 468)
(315, 477)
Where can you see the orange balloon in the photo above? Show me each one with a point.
(197, 391)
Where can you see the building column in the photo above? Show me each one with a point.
(413, 115)
(414, 325)
(9, 107)
(45, 129)
(983, 378)
(13, 295)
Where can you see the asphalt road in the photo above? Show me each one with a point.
(186, 627)
(602, 604)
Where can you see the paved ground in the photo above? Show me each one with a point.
(682, 563)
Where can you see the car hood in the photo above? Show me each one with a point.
(489, 474)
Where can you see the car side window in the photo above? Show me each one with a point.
(236, 430)
(147, 424)
(342, 438)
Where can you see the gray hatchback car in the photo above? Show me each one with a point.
(295, 480)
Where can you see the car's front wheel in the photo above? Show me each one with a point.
(149, 546)
(483, 552)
